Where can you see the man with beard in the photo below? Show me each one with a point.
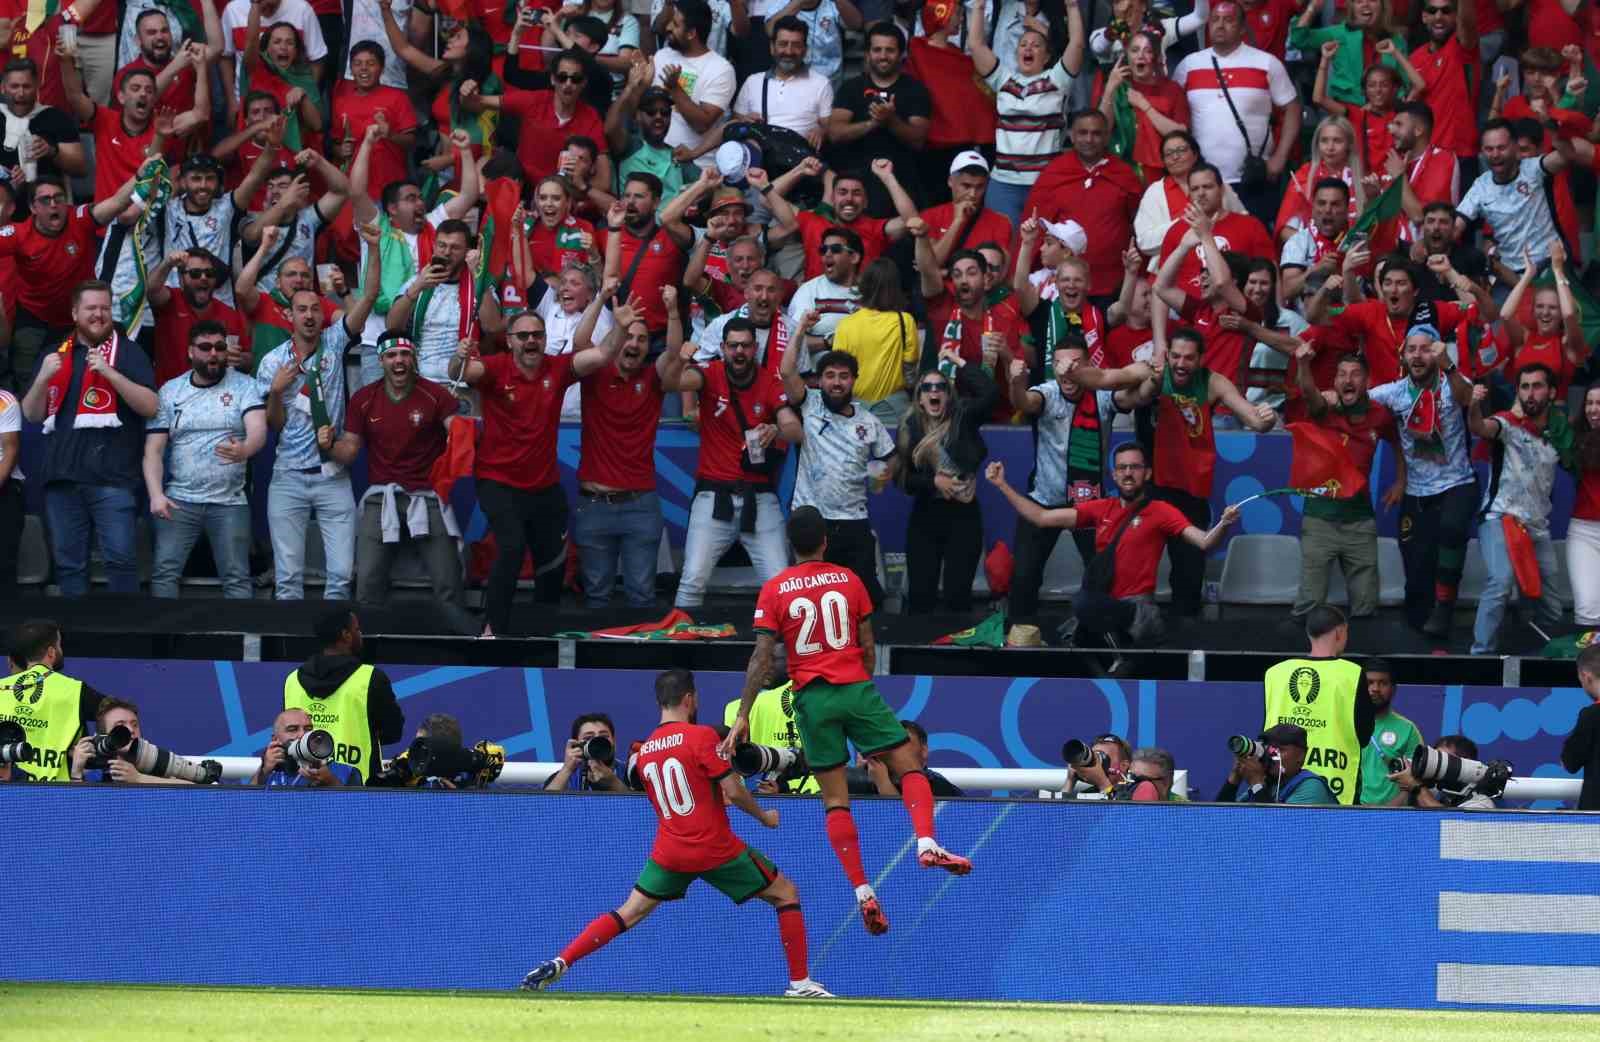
(1437, 237)
(204, 217)
(180, 66)
(364, 100)
(1449, 66)
(1430, 174)
(39, 139)
(210, 422)
(288, 191)
(438, 309)
(833, 294)
(846, 209)
(1510, 194)
(1343, 528)
(519, 486)
(1393, 737)
(743, 411)
(550, 117)
(267, 313)
(618, 524)
(54, 249)
(61, 704)
(960, 318)
(123, 137)
(699, 81)
(1530, 441)
(645, 252)
(1089, 186)
(763, 309)
(636, 131)
(194, 301)
(1131, 531)
(1072, 431)
(400, 421)
(845, 446)
(882, 114)
(1313, 252)
(93, 395)
(1436, 514)
(304, 385)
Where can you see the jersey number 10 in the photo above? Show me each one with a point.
(671, 787)
(835, 622)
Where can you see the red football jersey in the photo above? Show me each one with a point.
(681, 770)
(817, 608)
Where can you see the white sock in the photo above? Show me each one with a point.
(798, 984)
(863, 892)
(926, 843)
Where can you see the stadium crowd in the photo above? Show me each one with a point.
(1363, 220)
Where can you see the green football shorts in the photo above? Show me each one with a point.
(828, 714)
(741, 877)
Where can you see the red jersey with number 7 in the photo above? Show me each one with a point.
(817, 608)
(682, 772)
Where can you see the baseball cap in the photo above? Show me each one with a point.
(654, 94)
(967, 160)
(1069, 233)
(1285, 734)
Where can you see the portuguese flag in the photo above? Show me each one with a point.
(990, 633)
(1320, 461)
(1385, 207)
(270, 326)
(675, 625)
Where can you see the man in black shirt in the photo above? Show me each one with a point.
(1438, 235)
(38, 139)
(882, 113)
(1582, 749)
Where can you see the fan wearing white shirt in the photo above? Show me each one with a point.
(562, 307)
(789, 95)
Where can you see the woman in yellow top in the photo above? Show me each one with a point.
(882, 335)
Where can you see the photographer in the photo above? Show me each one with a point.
(1275, 772)
(1413, 793)
(880, 782)
(1581, 752)
(87, 767)
(1149, 778)
(438, 759)
(1393, 736)
(772, 723)
(1111, 758)
(50, 707)
(352, 701)
(582, 773)
(278, 771)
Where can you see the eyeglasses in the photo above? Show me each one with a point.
(1126, 467)
(200, 273)
(1175, 152)
(50, 200)
(569, 77)
(932, 387)
(828, 248)
(210, 347)
(526, 335)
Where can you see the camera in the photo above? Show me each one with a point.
(14, 747)
(1078, 756)
(119, 743)
(443, 758)
(598, 747)
(109, 745)
(1396, 764)
(1459, 774)
(778, 763)
(314, 749)
(1244, 746)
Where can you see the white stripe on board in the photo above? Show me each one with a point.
(1519, 913)
(1518, 985)
(1514, 841)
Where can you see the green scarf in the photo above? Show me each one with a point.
(1124, 129)
(313, 390)
(154, 189)
(1559, 434)
(1058, 324)
(295, 76)
(397, 265)
(266, 337)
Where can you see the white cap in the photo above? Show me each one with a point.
(969, 158)
(1068, 233)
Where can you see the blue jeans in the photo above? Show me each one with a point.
(291, 500)
(1501, 587)
(1007, 199)
(606, 531)
(73, 511)
(227, 529)
(708, 539)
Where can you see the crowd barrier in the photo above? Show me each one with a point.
(1151, 903)
(227, 708)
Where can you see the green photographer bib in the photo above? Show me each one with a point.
(1319, 695)
(45, 704)
(342, 714)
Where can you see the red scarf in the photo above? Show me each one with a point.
(97, 406)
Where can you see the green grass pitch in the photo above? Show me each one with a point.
(86, 1013)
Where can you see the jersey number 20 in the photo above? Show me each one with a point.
(671, 787)
(835, 622)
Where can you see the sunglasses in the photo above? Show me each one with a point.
(526, 335)
(833, 247)
(1438, 10)
(932, 387)
(210, 347)
(200, 273)
(569, 77)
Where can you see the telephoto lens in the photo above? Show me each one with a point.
(599, 747)
(14, 747)
(443, 758)
(750, 760)
(1076, 755)
(112, 742)
(156, 761)
(313, 749)
(1242, 745)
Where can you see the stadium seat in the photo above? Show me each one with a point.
(33, 554)
(1063, 573)
(1261, 569)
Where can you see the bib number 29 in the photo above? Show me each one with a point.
(835, 613)
(671, 787)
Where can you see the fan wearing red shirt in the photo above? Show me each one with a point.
(97, 18)
(964, 221)
(960, 316)
(1141, 527)
(619, 514)
(1433, 174)
(550, 117)
(632, 226)
(363, 100)
(1227, 351)
(822, 613)
(1379, 326)
(690, 783)
(195, 300)
(1101, 192)
(1267, 22)
(121, 137)
(557, 238)
(847, 209)
(400, 420)
(1451, 72)
(1556, 339)
(1234, 232)
(154, 32)
(519, 485)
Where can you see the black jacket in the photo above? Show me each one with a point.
(1582, 753)
(972, 406)
(323, 673)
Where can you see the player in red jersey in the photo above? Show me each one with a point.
(822, 612)
(690, 784)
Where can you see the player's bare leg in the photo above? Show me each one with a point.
(847, 846)
(918, 798)
(601, 932)
(785, 899)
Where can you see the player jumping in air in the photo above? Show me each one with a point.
(822, 611)
(688, 783)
